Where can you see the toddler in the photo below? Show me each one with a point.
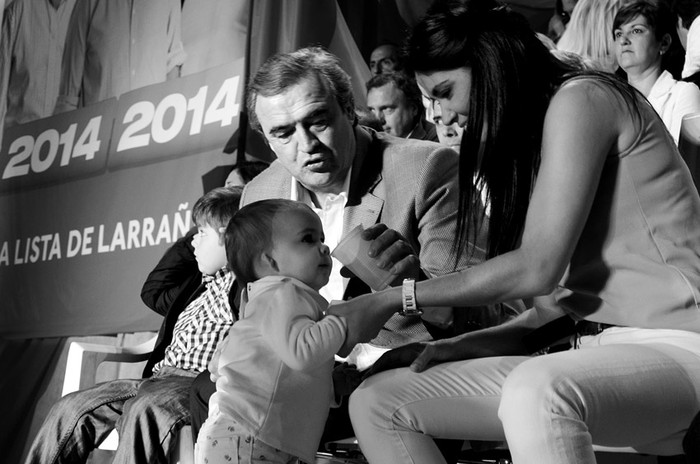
(273, 375)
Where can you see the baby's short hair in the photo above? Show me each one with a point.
(249, 233)
(216, 207)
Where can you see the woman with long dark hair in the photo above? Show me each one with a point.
(593, 216)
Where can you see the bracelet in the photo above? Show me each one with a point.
(408, 297)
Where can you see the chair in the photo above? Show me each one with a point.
(81, 367)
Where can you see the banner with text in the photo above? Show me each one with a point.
(92, 198)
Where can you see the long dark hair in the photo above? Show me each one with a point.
(513, 79)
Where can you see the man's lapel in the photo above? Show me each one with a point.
(366, 195)
(277, 184)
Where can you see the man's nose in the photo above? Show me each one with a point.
(381, 117)
(307, 140)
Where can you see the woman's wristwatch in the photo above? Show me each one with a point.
(408, 297)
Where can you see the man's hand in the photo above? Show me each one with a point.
(392, 252)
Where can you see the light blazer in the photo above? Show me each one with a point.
(409, 185)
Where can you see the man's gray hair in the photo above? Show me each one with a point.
(284, 70)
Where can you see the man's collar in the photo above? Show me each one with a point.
(301, 193)
(365, 140)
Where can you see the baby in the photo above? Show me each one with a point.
(273, 376)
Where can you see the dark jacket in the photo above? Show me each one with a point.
(170, 287)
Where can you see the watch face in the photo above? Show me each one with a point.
(408, 293)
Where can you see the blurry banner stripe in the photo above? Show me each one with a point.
(91, 199)
(289, 25)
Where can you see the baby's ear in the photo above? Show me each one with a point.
(265, 265)
(270, 261)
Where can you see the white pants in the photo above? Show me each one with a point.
(624, 387)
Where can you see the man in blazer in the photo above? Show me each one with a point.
(409, 186)
(405, 191)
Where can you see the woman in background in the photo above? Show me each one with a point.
(644, 32)
(587, 33)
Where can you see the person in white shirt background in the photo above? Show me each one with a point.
(643, 33)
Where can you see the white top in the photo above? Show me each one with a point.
(674, 99)
(692, 50)
(276, 365)
(331, 213)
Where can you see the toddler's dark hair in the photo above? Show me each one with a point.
(249, 233)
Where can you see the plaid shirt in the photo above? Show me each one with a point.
(201, 326)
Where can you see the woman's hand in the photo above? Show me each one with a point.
(402, 356)
(419, 356)
(438, 352)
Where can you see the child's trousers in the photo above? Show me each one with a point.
(223, 441)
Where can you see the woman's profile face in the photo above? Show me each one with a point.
(636, 45)
(451, 89)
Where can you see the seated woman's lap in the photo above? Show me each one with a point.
(392, 411)
(626, 393)
(632, 392)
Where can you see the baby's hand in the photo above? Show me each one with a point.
(346, 379)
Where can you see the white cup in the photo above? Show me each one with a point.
(352, 252)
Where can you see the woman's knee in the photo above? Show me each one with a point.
(540, 386)
(372, 400)
(361, 402)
